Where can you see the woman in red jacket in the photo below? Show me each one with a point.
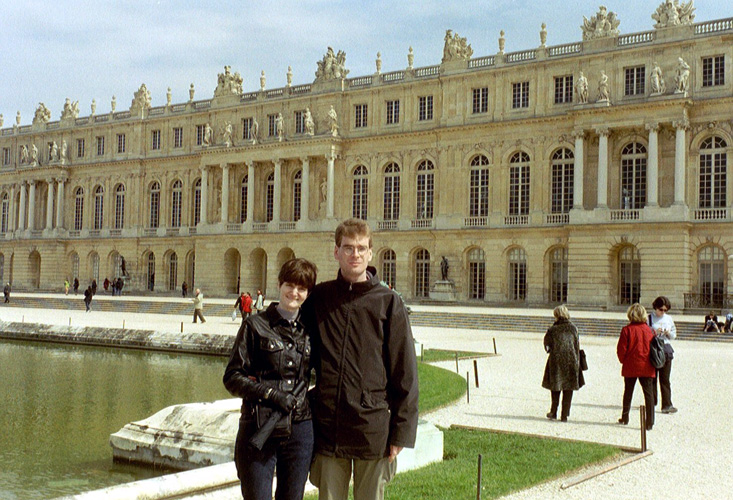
(633, 353)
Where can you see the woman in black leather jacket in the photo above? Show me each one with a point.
(270, 357)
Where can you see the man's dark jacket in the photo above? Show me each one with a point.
(366, 390)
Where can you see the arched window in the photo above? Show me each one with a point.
(297, 194)
(154, 204)
(173, 271)
(425, 190)
(117, 263)
(562, 181)
(519, 184)
(270, 197)
(477, 274)
(176, 201)
(197, 202)
(78, 208)
(120, 206)
(389, 267)
(517, 274)
(422, 274)
(360, 199)
(713, 173)
(392, 192)
(5, 211)
(75, 265)
(559, 275)
(98, 207)
(629, 275)
(2, 268)
(478, 193)
(95, 267)
(151, 271)
(633, 176)
(712, 275)
(244, 187)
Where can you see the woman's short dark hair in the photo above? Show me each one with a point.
(660, 302)
(300, 272)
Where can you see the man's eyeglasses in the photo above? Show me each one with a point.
(351, 250)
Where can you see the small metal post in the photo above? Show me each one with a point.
(468, 388)
(69, 320)
(478, 482)
(422, 352)
(457, 362)
(495, 345)
(123, 324)
(181, 326)
(475, 371)
(642, 419)
(23, 321)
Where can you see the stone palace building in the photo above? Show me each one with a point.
(593, 173)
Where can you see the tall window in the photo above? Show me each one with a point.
(297, 194)
(154, 205)
(247, 124)
(361, 187)
(477, 274)
(425, 108)
(389, 267)
(562, 181)
(155, 140)
(392, 192)
(5, 213)
(270, 197)
(634, 80)
(244, 186)
(98, 207)
(563, 89)
(517, 274)
(197, 202)
(176, 202)
(300, 122)
(100, 145)
(78, 208)
(173, 271)
(80, 148)
(520, 95)
(393, 112)
(121, 143)
(711, 269)
(117, 263)
(151, 271)
(422, 274)
(559, 275)
(2, 268)
(271, 127)
(478, 196)
(629, 275)
(519, 184)
(425, 190)
(95, 267)
(633, 176)
(6, 156)
(480, 100)
(120, 206)
(177, 137)
(713, 173)
(75, 265)
(713, 71)
(200, 133)
(360, 115)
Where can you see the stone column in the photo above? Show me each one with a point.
(49, 205)
(13, 210)
(225, 193)
(250, 190)
(652, 167)
(602, 167)
(277, 188)
(680, 157)
(21, 208)
(330, 182)
(578, 169)
(60, 204)
(32, 205)
(305, 188)
(204, 195)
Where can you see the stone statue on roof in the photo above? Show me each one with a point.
(673, 13)
(71, 110)
(228, 83)
(456, 47)
(332, 66)
(43, 114)
(602, 25)
(141, 101)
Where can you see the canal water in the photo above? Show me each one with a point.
(60, 403)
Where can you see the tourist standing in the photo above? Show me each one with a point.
(184, 289)
(664, 327)
(6, 292)
(260, 302)
(198, 306)
(66, 286)
(562, 371)
(88, 294)
(76, 285)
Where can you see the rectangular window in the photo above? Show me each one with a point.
(393, 112)
(6, 156)
(713, 71)
(271, 125)
(360, 115)
(563, 89)
(156, 140)
(297, 196)
(100, 146)
(247, 128)
(425, 108)
(481, 100)
(121, 143)
(178, 137)
(200, 130)
(300, 122)
(519, 190)
(520, 95)
(80, 149)
(634, 80)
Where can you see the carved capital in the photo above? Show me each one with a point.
(683, 124)
(578, 133)
(602, 131)
(652, 127)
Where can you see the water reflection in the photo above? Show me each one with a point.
(61, 403)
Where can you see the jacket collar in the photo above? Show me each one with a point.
(274, 318)
(361, 286)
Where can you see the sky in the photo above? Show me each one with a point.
(51, 50)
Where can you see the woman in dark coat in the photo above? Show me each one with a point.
(562, 371)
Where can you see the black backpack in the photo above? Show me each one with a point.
(656, 352)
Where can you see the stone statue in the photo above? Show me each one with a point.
(43, 114)
(114, 103)
(23, 154)
(502, 42)
(279, 127)
(53, 154)
(410, 58)
(191, 91)
(324, 190)
(2, 120)
(332, 66)
(657, 80)
(683, 75)
(581, 88)
(71, 110)
(168, 97)
(226, 134)
(141, 100)
(289, 76)
(308, 121)
(34, 155)
(254, 130)
(206, 139)
(671, 13)
(94, 106)
(602, 25)
(227, 83)
(379, 62)
(62, 154)
(444, 266)
(543, 34)
(603, 87)
(262, 81)
(456, 48)
(17, 118)
(333, 121)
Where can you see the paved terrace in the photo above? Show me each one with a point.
(692, 450)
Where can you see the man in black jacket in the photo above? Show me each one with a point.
(366, 394)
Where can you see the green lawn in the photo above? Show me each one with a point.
(435, 355)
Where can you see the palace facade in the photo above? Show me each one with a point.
(593, 173)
